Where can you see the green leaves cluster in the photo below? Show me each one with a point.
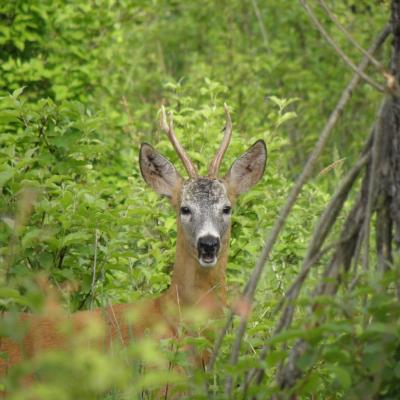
(81, 85)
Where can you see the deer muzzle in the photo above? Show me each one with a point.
(208, 248)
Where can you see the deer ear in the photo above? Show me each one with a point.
(248, 169)
(157, 171)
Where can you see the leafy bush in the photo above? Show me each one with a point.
(81, 85)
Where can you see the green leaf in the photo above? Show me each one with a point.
(342, 375)
(17, 92)
(286, 117)
(7, 116)
(5, 176)
(286, 335)
(7, 293)
(75, 238)
(31, 237)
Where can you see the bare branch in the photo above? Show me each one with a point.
(288, 313)
(391, 82)
(371, 187)
(357, 223)
(338, 50)
(323, 227)
(251, 285)
(218, 342)
(348, 35)
(94, 275)
(289, 373)
(301, 180)
(261, 24)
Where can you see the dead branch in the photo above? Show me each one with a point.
(351, 39)
(365, 234)
(290, 372)
(285, 210)
(381, 187)
(261, 24)
(323, 227)
(330, 214)
(338, 50)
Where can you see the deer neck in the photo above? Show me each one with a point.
(193, 284)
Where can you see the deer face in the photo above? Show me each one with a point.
(203, 204)
(205, 218)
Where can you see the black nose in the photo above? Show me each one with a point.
(208, 244)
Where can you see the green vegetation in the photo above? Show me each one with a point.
(81, 85)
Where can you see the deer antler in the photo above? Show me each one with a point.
(169, 129)
(214, 165)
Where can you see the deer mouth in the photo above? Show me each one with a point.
(207, 260)
(208, 247)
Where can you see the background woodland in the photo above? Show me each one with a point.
(81, 86)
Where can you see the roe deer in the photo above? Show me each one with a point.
(203, 206)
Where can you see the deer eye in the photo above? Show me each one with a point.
(227, 210)
(185, 211)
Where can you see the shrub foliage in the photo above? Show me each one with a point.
(81, 86)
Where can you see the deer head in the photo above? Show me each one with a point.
(203, 204)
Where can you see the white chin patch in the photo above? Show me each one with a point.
(208, 262)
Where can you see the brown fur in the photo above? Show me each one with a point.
(193, 288)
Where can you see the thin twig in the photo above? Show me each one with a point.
(261, 24)
(330, 282)
(371, 187)
(179, 304)
(324, 225)
(253, 373)
(272, 237)
(391, 82)
(354, 42)
(328, 285)
(204, 295)
(295, 191)
(219, 340)
(25, 206)
(360, 241)
(338, 50)
(288, 313)
(94, 275)
(289, 373)
(61, 256)
(113, 320)
(127, 110)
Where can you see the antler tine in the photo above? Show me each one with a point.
(215, 164)
(169, 129)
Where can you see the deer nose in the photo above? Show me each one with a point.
(208, 244)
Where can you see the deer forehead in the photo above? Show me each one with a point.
(204, 192)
